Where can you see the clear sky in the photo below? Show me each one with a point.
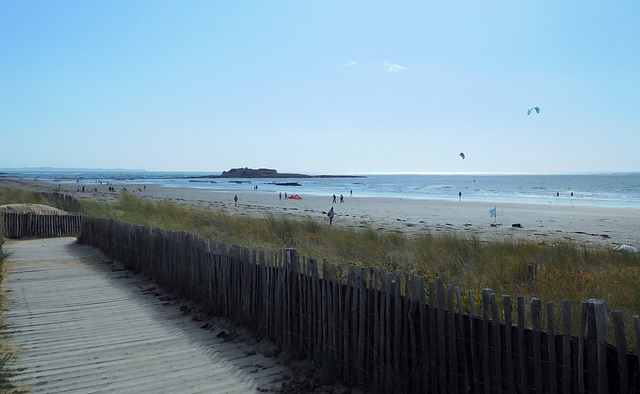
(321, 86)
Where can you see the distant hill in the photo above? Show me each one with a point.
(269, 173)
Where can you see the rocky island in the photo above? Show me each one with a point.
(270, 173)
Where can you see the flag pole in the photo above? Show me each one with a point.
(496, 215)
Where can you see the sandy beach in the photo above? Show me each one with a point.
(539, 222)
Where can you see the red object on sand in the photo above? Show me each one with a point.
(295, 197)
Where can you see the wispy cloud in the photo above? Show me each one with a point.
(393, 67)
(350, 63)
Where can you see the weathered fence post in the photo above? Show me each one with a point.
(1, 230)
(566, 346)
(621, 344)
(536, 318)
(508, 323)
(597, 346)
(486, 369)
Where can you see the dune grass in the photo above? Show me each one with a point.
(552, 271)
(11, 196)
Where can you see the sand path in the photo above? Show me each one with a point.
(80, 323)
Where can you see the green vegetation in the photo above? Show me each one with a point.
(552, 272)
(12, 196)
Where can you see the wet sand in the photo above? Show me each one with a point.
(547, 223)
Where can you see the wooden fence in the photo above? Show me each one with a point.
(383, 330)
(33, 224)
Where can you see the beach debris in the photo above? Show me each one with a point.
(626, 248)
(537, 109)
(462, 155)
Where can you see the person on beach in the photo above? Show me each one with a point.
(235, 200)
(330, 214)
(341, 198)
(459, 196)
(334, 198)
(281, 195)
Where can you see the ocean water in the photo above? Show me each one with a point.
(612, 190)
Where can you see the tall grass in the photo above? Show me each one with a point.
(551, 271)
(11, 196)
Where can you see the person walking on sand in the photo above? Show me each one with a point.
(235, 199)
(341, 198)
(334, 198)
(330, 214)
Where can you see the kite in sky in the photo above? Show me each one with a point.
(462, 155)
(532, 108)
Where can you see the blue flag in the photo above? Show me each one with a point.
(493, 212)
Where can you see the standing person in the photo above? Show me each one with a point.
(330, 214)
(351, 192)
(235, 200)
(341, 198)
(459, 196)
(334, 198)
(281, 195)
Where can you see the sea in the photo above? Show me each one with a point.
(597, 189)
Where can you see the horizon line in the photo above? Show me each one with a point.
(480, 173)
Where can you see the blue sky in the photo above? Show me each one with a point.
(321, 86)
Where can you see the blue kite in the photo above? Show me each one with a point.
(532, 108)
